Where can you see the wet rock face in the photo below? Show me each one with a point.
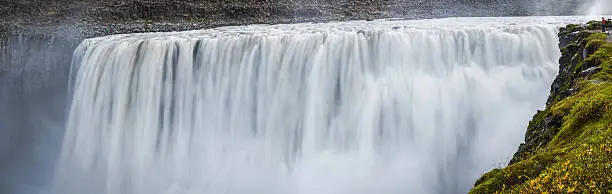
(567, 144)
(543, 127)
(575, 49)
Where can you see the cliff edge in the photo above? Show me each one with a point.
(568, 145)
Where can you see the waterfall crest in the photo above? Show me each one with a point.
(358, 107)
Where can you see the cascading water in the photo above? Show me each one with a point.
(359, 107)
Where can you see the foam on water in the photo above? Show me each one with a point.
(398, 106)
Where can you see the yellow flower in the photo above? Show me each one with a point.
(560, 186)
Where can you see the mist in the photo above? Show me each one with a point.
(597, 7)
(33, 97)
(34, 88)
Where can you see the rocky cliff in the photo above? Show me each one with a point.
(568, 145)
(90, 18)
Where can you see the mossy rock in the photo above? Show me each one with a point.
(596, 24)
(568, 147)
(578, 159)
(516, 174)
(570, 28)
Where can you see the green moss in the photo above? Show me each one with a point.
(578, 159)
(534, 129)
(588, 106)
(585, 169)
(516, 174)
(604, 57)
(600, 57)
(595, 56)
(570, 48)
(594, 41)
(587, 134)
(596, 24)
(570, 28)
(537, 119)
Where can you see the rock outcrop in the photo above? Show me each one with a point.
(89, 18)
(568, 146)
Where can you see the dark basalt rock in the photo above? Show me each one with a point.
(544, 126)
(590, 71)
(569, 139)
(540, 132)
(91, 16)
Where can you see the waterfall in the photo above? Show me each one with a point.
(387, 106)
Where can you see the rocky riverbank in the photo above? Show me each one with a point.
(91, 18)
(568, 146)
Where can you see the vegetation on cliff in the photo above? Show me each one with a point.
(568, 146)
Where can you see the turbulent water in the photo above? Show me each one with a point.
(420, 106)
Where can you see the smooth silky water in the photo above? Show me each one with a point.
(387, 106)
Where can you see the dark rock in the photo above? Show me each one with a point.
(51, 16)
(544, 124)
(590, 71)
(540, 131)
(573, 50)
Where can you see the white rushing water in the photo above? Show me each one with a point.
(358, 107)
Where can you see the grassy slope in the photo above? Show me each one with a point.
(578, 158)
